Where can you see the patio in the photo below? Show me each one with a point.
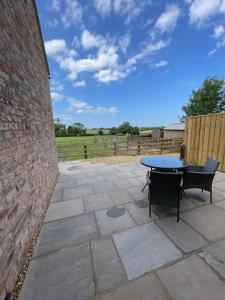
(97, 241)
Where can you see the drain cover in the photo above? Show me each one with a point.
(115, 212)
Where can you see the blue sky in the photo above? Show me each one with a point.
(130, 60)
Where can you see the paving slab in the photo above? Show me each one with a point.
(66, 232)
(97, 202)
(78, 192)
(104, 186)
(221, 204)
(137, 194)
(201, 198)
(214, 255)
(182, 234)
(108, 269)
(64, 209)
(139, 210)
(65, 274)
(121, 183)
(144, 248)
(120, 197)
(62, 185)
(209, 220)
(192, 279)
(108, 224)
(57, 196)
(220, 185)
(145, 288)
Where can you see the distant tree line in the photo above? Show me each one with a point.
(78, 129)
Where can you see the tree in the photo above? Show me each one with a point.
(79, 129)
(113, 131)
(135, 130)
(209, 98)
(100, 131)
(70, 129)
(60, 129)
(125, 128)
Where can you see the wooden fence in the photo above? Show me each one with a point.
(112, 148)
(205, 136)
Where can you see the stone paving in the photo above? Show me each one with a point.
(98, 242)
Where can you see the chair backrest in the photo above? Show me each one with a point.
(165, 188)
(211, 165)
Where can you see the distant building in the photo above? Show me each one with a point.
(175, 130)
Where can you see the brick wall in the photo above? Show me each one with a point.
(28, 161)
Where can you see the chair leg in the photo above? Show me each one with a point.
(178, 214)
(150, 210)
(210, 196)
(202, 190)
(144, 187)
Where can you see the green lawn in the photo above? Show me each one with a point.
(71, 148)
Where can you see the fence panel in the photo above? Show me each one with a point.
(205, 136)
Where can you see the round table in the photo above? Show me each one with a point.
(164, 162)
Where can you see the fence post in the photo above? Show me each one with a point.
(161, 146)
(85, 152)
(139, 148)
(114, 148)
(127, 146)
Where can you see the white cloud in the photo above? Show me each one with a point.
(161, 63)
(56, 96)
(55, 46)
(124, 42)
(130, 9)
(56, 5)
(218, 31)
(103, 7)
(80, 106)
(89, 40)
(201, 11)
(220, 44)
(72, 14)
(80, 83)
(109, 75)
(53, 23)
(56, 86)
(168, 19)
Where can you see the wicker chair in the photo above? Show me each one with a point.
(165, 189)
(201, 177)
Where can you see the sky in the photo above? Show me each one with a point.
(130, 60)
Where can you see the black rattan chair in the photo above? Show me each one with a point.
(165, 189)
(201, 177)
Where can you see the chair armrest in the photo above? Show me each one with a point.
(195, 168)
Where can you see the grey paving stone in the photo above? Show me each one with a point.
(164, 211)
(66, 232)
(137, 194)
(192, 279)
(182, 234)
(103, 186)
(214, 255)
(221, 204)
(108, 269)
(120, 197)
(133, 181)
(143, 249)
(145, 288)
(200, 198)
(97, 202)
(109, 224)
(218, 192)
(139, 211)
(208, 220)
(64, 185)
(220, 185)
(57, 196)
(64, 209)
(78, 192)
(126, 174)
(121, 183)
(65, 274)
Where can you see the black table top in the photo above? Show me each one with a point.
(164, 162)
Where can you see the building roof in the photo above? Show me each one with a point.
(175, 126)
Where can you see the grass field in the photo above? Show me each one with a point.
(95, 131)
(71, 148)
